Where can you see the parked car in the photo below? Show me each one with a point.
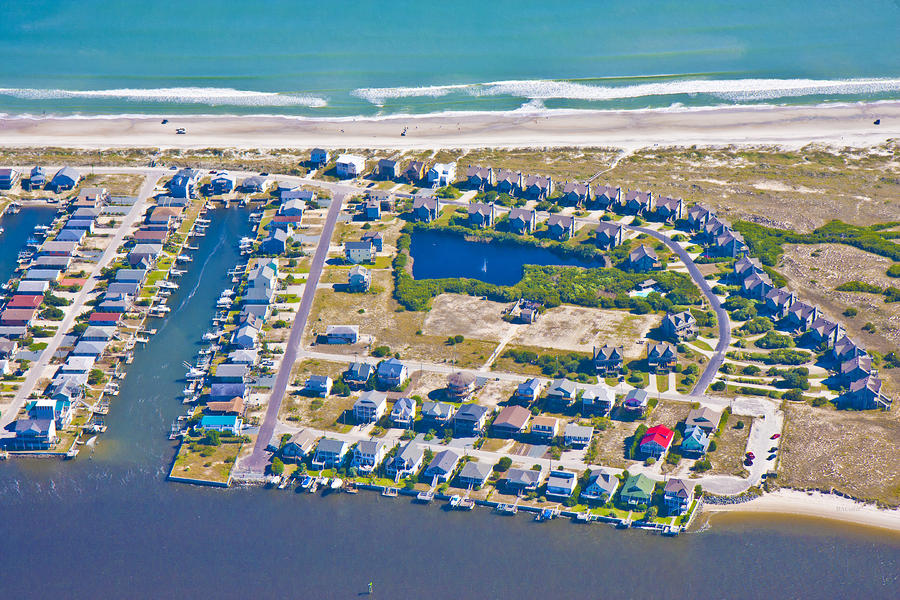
(751, 456)
(776, 436)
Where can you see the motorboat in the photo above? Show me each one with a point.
(183, 258)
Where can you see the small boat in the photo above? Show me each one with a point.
(164, 293)
(547, 514)
(454, 500)
(306, 482)
(425, 497)
(202, 222)
(466, 504)
(183, 258)
(224, 302)
(195, 373)
(177, 272)
(507, 509)
(336, 483)
(167, 285)
(212, 335)
(390, 492)
(350, 487)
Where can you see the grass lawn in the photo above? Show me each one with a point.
(206, 463)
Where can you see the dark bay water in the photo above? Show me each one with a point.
(111, 527)
(17, 229)
(437, 255)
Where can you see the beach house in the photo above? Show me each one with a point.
(65, 179)
(8, 178)
(341, 334)
(368, 454)
(184, 183)
(222, 182)
(511, 421)
(222, 423)
(656, 441)
(677, 496)
(427, 209)
(437, 413)
(679, 326)
(441, 174)
(637, 202)
(479, 178)
(470, 420)
(318, 385)
(299, 445)
(668, 209)
(474, 474)
(388, 169)
(606, 196)
(561, 483)
(318, 157)
(600, 487)
(349, 166)
(369, 407)
(538, 187)
(643, 258)
(359, 279)
(608, 235)
(522, 480)
(407, 461)
(329, 453)
(403, 413)
(442, 465)
(608, 360)
(560, 227)
(392, 373)
(508, 182)
(522, 220)
(576, 194)
(637, 490)
(414, 171)
(578, 436)
(481, 216)
(358, 374)
(528, 391)
(460, 385)
(359, 252)
(544, 429)
(661, 357)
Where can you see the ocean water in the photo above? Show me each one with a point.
(371, 58)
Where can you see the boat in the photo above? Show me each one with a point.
(508, 509)
(547, 514)
(164, 293)
(224, 302)
(202, 222)
(425, 497)
(465, 504)
(350, 487)
(177, 272)
(455, 500)
(195, 373)
(390, 492)
(167, 285)
(212, 335)
(336, 483)
(306, 482)
(183, 258)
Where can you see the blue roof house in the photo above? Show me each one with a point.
(229, 423)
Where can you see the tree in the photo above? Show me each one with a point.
(211, 438)
(95, 377)
(652, 512)
(380, 351)
(277, 466)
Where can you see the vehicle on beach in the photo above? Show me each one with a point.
(165, 121)
(180, 131)
(775, 436)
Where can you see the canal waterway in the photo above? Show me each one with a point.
(110, 526)
(437, 255)
(17, 228)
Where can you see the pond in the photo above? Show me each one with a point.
(438, 255)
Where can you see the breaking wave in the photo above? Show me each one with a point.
(737, 90)
(174, 95)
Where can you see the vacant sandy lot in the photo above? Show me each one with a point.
(815, 270)
(578, 328)
(793, 189)
(852, 452)
(471, 317)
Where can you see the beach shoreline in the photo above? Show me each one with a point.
(813, 504)
(836, 125)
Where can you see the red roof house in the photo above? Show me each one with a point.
(25, 301)
(17, 316)
(104, 318)
(656, 441)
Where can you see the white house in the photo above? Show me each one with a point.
(441, 174)
(350, 165)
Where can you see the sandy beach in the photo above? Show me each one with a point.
(815, 504)
(835, 125)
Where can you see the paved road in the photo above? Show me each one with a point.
(257, 461)
(718, 356)
(72, 311)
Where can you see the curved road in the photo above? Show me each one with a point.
(721, 316)
(258, 460)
